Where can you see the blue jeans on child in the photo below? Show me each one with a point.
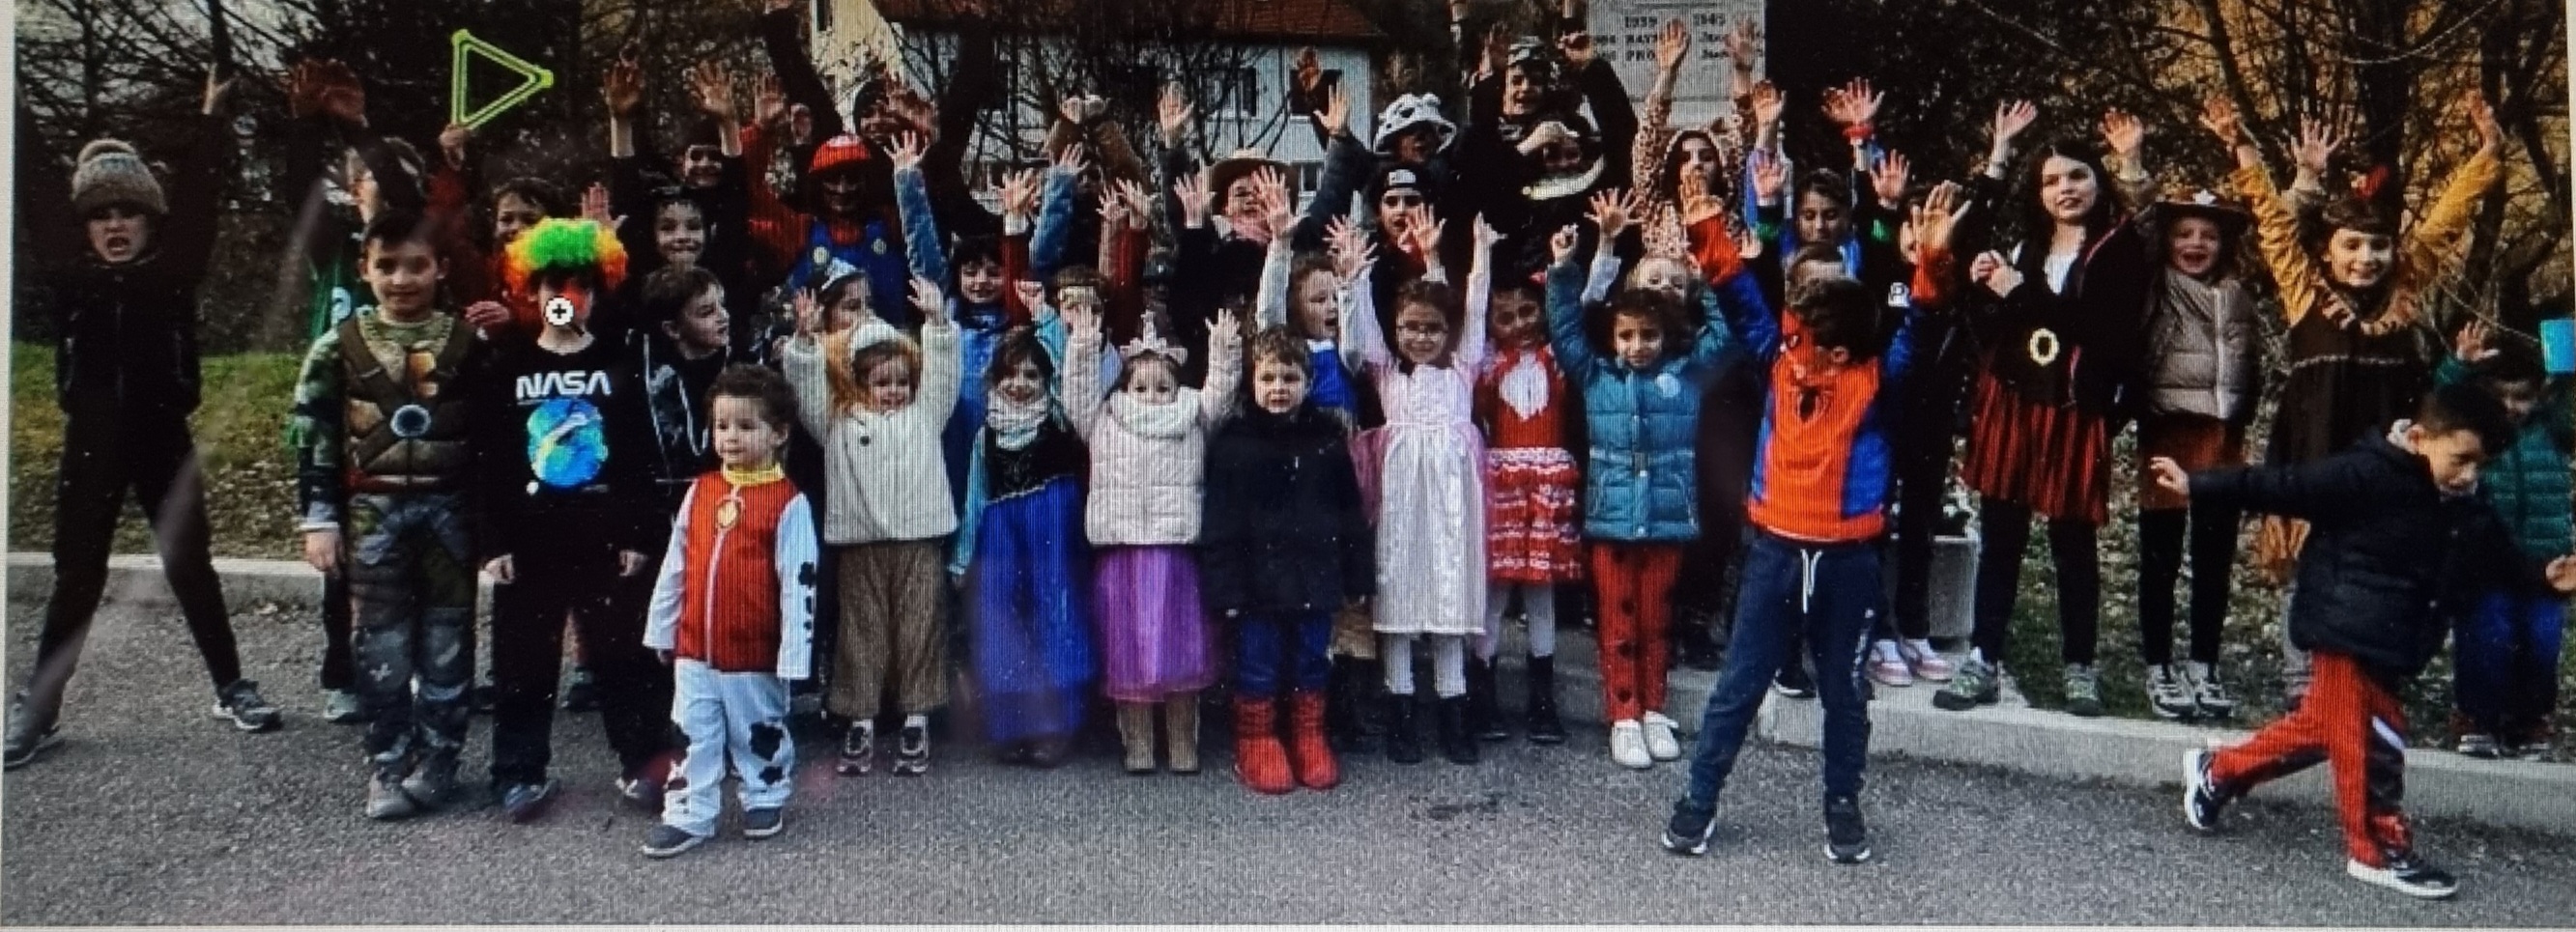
(1285, 649)
(1828, 592)
(2506, 666)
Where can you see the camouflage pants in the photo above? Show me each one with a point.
(410, 566)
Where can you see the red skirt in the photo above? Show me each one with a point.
(2052, 460)
(1533, 516)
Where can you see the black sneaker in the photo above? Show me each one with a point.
(26, 738)
(858, 749)
(912, 750)
(526, 801)
(581, 692)
(2408, 875)
(2202, 798)
(241, 703)
(763, 823)
(386, 800)
(1688, 832)
(667, 841)
(1846, 839)
(433, 783)
(1793, 681)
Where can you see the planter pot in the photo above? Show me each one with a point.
(1954, 587)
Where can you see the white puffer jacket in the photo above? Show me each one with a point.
(885, 473)
(1148, 462)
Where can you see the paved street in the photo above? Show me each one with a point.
(152, 813)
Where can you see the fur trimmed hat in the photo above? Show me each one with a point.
(1407, 113)
(111, 172)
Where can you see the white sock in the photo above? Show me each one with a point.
(1396, 652)
(1538, 600)
(1448, 665)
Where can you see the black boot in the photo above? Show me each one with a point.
(1456, 742)
(1403, 743)
(1368, 692)
(1544, 728)
(1344, 699)
(1484, 715)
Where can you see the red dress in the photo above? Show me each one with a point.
(1533, 510)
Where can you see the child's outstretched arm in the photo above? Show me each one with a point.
(1082, 392)
(662, 613)
(781, 36)
(802, 363)
(1672, 47)
(941, 368)
(1224, 370)
(912, 202)
(1751, 320)
(2124, 153)
(1474, 347)
(2276, 228)
(1612, 214)
(188, 236)
(1565, 307)
(2448, 219)
(2308, 491)
(1346, 164)
(797, 562)
(1055, 212)
(1271, 306)
(1363, 344)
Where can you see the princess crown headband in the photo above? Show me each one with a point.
(1152, 342)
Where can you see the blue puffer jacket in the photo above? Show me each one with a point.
(1639, 485)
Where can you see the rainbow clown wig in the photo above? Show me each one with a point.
(559, 250)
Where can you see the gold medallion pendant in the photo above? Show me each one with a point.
(2044, 346)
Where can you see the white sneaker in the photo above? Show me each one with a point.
(1661, 744)
(1628, 746)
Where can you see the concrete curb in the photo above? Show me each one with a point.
(2010, 735)
(248, 584)
(2014, 736)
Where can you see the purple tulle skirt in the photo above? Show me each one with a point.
(1153, 633)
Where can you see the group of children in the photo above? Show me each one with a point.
(743, 433)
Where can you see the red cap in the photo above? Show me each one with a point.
(843, 151)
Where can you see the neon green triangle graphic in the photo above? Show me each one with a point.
(537, 79)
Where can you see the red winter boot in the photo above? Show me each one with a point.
(1316, 769)
(1259, 761)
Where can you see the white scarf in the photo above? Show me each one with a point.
(1165, 421)
(1015, 424)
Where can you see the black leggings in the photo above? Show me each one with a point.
(104, 457)
(2079, 579)
(2212, 532)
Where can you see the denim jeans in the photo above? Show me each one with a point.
(1831, 594)
(2506, 672)
(1282, 649)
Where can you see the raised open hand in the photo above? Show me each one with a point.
(1072, 159)
(1560, 246)
(1768, 103)
(2475, 343)
(2011, 118)
(713, 89)
(1192, 190)
(2482, 116)
(1278, 202)
(1744, 44)
(1697, 204)
(2313, 151)
(1938, 216)
(2218, 116)
(1225, 336)
(809, 313)
(1888, 178)
(452, 142)
(2124, 133)
(1335, 117)
(1172, 113)
(1613, 212)
(623, 88)
(906, 153)
(1672, 45)
(1853, 104)
(594, 205)
(927, 299)
(769, 105)
(1770, 179)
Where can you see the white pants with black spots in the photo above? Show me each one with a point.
(744, 714)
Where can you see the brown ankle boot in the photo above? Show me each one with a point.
(1181, 731)
(1136, 731)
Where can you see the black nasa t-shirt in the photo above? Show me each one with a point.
(564, 448)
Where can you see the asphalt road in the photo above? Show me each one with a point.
(150, 812)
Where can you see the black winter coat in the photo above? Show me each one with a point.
(2390, 561)
(1283, 529)
(128, 332)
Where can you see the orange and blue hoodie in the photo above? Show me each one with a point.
(1825, 461)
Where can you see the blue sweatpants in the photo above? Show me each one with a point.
(1828, 592)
